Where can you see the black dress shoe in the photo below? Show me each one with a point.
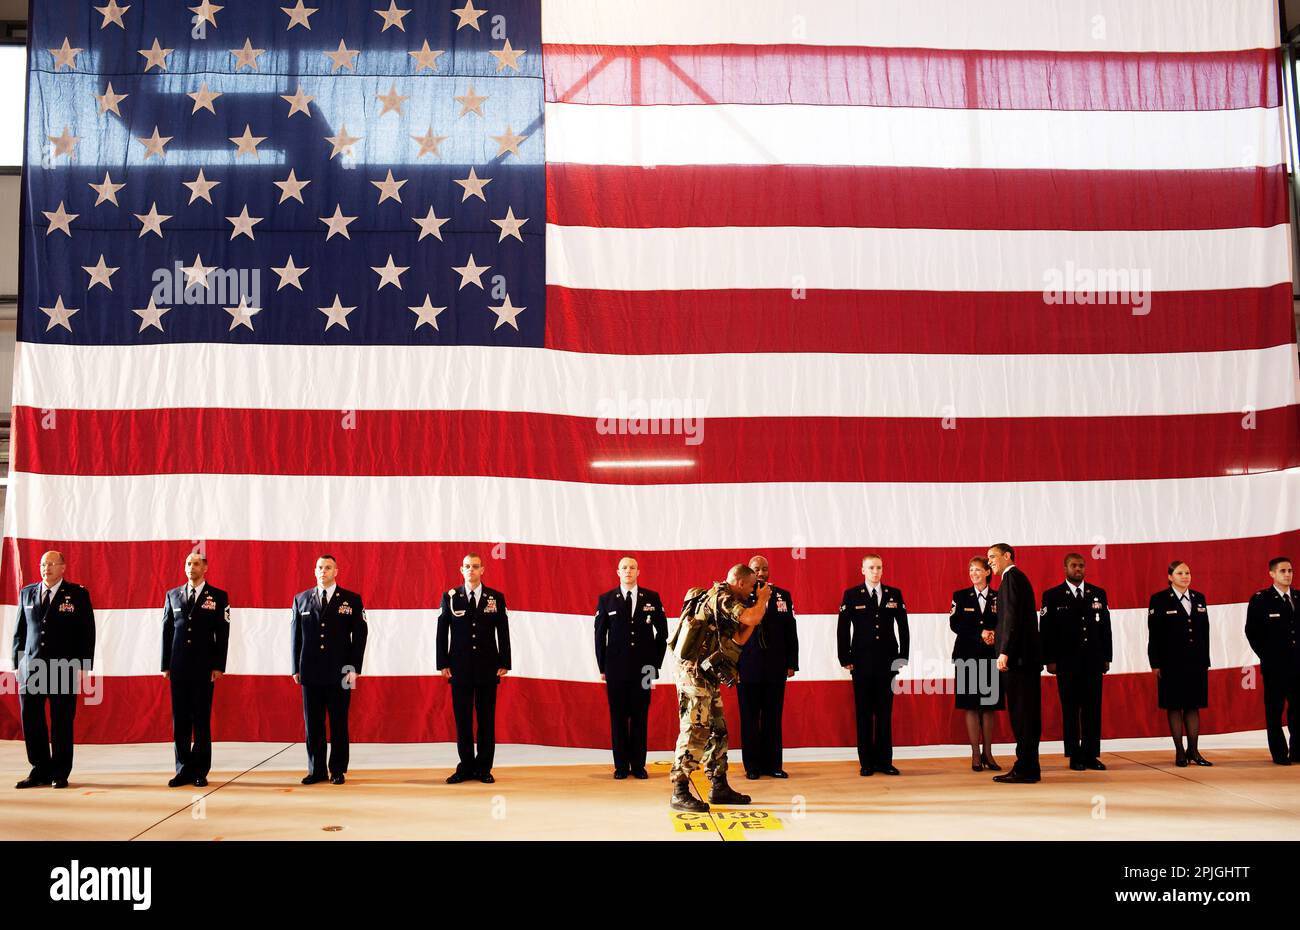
(487, 779)
(779, 773)
(864, 771)
(30, 782)
(200, 782)
(1015, 778)
(887, 769)
(619, 775)
(60, 783)
(178, 781)
(640, 773)
(752, 776)
(977, 766)
(990, 764)
(1180, 761)
(1199, 759)
(1076, 765)
(337, 779)
(1095, 764)
(1281, 760)
(314, 779)
(455, 778)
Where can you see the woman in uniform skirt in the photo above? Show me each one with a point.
(1178, 647)
(973, 618)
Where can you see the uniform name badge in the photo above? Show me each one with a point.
(491, 606)
(345, 609)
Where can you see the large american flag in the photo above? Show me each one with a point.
(564, 281)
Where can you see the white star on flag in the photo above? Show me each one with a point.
(289, 274)
(426, 313)
(151, 316)
(389, 274)
(59, 315)
(99, 273)
(243, 314)
(471, 273)
(506, 313)
(336, 313)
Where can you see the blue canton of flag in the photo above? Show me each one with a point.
(349, 173)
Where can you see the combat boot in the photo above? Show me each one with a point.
(723, 793)
(683, 800)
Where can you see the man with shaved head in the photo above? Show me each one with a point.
(195, 640)
(715, 624)
(768, 659)
(874, 642)
(631, 634)
(329, 631)
(54, 646)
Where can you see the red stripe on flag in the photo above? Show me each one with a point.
(913, 198)
(561, 713)
(910, 77)
(568, 580)
(730, 450)
(620, 322)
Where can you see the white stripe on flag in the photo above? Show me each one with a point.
(1122, 266)
(1063, 25)
(561, 513)
(55, 377)
(737, 134)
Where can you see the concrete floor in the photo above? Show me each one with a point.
(397, 792)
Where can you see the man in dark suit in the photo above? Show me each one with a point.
(54, 648)
(868, 648)
(1076, 638)
(1020, 659)
(473, 654)
(195, 639)
(329, 643)
(631, 634)
(770, 657)
(1273, 630)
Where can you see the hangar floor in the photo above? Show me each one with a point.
(397, 792)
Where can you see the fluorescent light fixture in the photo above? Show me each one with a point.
(644, 463)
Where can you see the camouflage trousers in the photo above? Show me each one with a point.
(703, 733)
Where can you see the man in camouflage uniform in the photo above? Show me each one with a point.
(707, 646)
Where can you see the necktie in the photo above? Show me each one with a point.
(1078, 594)
(1187, 604)
(629, 603)
(981, 597)
(1289, 603)
(324, 598)
(874, 601)
(193, 594)
(45, 601)
(473, 599)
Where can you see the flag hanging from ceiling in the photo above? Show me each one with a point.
(560, 282)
